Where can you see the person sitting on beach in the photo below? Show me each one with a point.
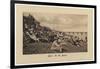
(32, 36)
(57, 45)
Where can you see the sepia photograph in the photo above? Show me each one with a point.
(49, 34)
(54, 33)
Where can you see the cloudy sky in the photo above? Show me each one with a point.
(63, 22)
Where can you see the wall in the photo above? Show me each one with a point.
(5, 34)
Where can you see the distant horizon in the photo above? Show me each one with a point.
(60, 22)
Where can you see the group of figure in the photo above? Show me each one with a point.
(60, 43)
(58, 39)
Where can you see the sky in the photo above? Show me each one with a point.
(63, 22)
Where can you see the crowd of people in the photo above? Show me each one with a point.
(34, 32)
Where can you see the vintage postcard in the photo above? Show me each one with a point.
(46, 34)
(54, 33)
